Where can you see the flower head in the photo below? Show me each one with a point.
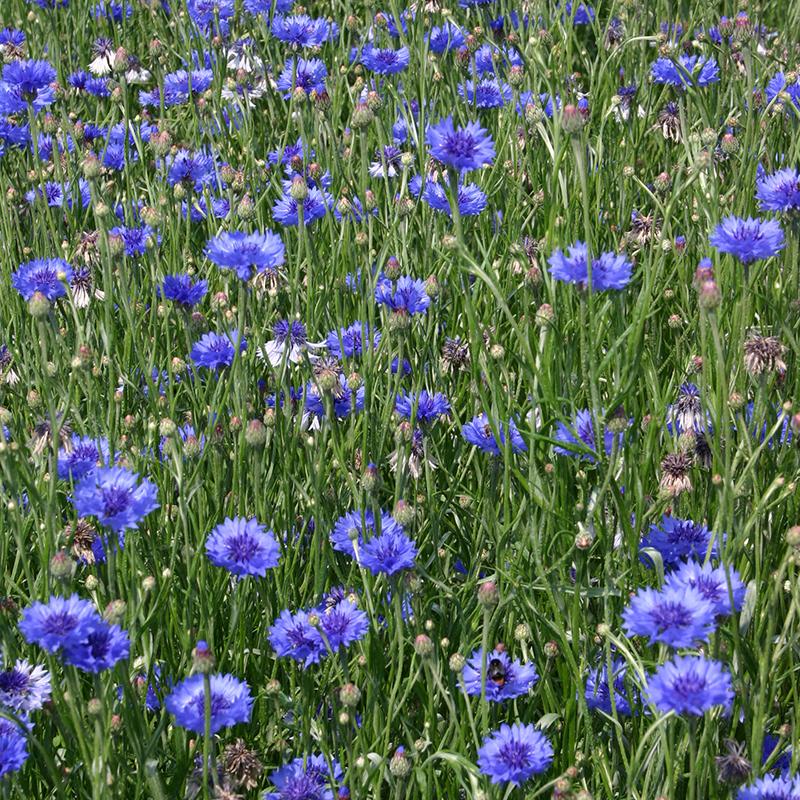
(308, 778)
(608, 271)
(293, 636)
(599, 690)
(579, 436)
(388, 553)
(306, 74)
(686, 71)
(245, 252)
(231, 702)
(342, 624)
(384, 61)
(748, 239)
(100, 648)
(300, 30)
(349, 342)
(47, 276)
(514, 753)
(690, 685)
(479, 432)
(470, 147)
(423, 406)
(26, 83)
(181, 290)
(502, 677)
(115, 497)
(779, 191)
(771, 787)
(58, 623)
(352, 527)
(679, 616)
(722, 587)
(24, 687)
(407, 296)
(680, 539)
(217, 350)
(86, 454)
(13, 747)
(243, 547)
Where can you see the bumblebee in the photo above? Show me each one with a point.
(496, 672)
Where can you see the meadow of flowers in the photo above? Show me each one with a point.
(399, 401)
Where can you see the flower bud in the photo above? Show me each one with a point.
(202, 657)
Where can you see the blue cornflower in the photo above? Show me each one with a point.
(680, 539)
(609, 271)
(515, 753)
(217, 350)
(424, 406)
(192, 170)
(85, 455)
(479, 432)
(245, 252)
(306, 778)
(779, 91)
(116, 12)
(100, 648)
(180, 289)
(243, 547)
(300, 30)
(286, 155)
(231, 702)
(770, 787)
(598, 689)
(351, 527)
(199, 210)
(389, 553)
(470, 147)
(306, 74)
(349, 342)
(580, 14)
(177, 89)
(579, 436)
(342, 624)
(264, 8)
(687, 71)
(407, 296)
(26, 83)
(57, 623)
(489, 93)
(712, 583)
(503, 677)
(211, 16)
(48, 276)
(384, 61)
(24, 687)
(679, 616)
(446, 37)
(471, 199)
(12, 39)
(13, 747)
(293, 636)
(315, 206)
(345, 400)
(748, 239)
(780, 191)
(690, 685)
(115, 497)
(135, 240)
(772, 746)
(490, 59)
